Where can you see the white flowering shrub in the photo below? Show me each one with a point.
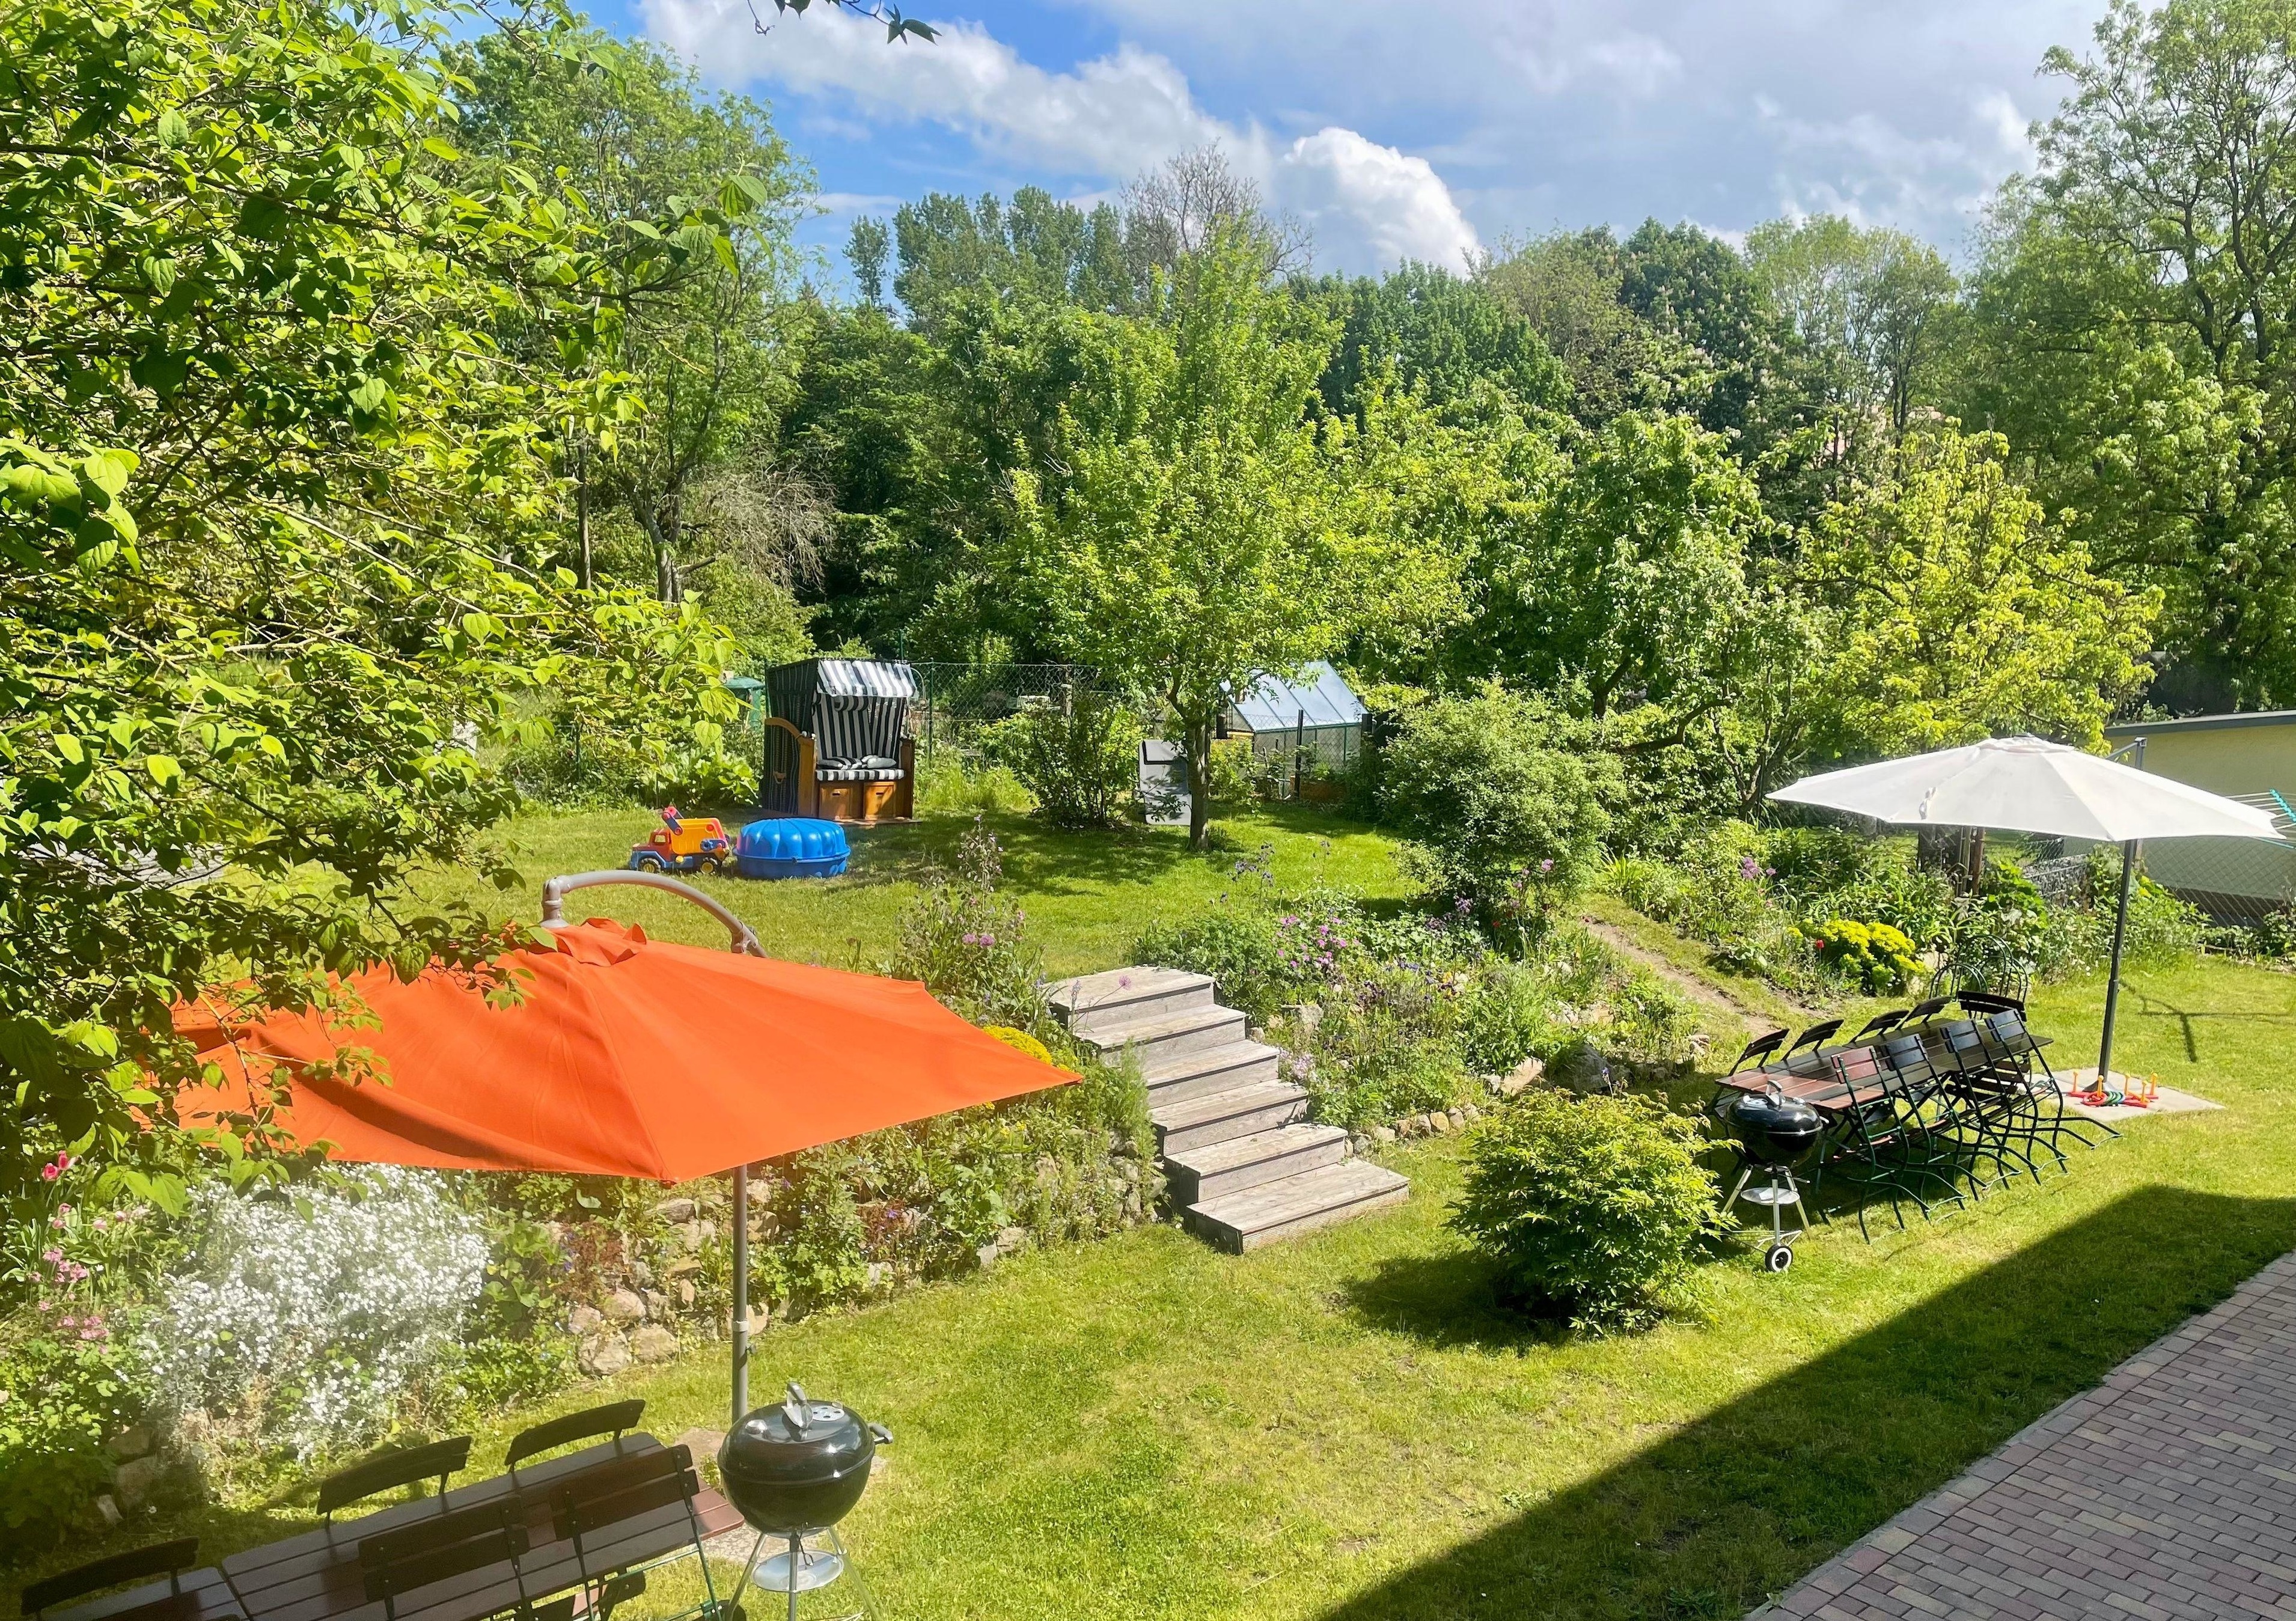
(303, 1323)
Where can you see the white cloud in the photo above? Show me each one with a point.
(1716, 110)
(1106, 120)
(1395, 206)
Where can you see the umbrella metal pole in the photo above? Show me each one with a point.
(741, 1294)
(2113, 983)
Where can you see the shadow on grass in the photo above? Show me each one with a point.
(1449, 1300)
(1740, 1503)
(2189, 1019)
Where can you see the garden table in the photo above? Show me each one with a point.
(317, 1577)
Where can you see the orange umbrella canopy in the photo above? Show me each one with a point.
(623, 1057)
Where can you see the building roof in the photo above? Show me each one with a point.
(2203, 723)
(1319, 695)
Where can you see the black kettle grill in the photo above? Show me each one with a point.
(794, 1470)
(1774, 1134)
(1773, 1129)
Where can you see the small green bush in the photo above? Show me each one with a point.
(1497, 814)
(60, 1395)
(1506, 1015)
(1872, 957)
(1079, 760)
(1593, 1208)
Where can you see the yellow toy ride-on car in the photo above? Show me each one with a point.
(683, 844)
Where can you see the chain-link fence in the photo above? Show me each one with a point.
(955, 702)
(2233, 880)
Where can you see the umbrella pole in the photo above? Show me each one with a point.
(2112, 983)
(741, 1294)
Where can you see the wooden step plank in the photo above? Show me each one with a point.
(1297, 1204)
(1209, 1069)
(1218, 1169)
(1238, 1112)
(1122, 995)
(1163, 1036)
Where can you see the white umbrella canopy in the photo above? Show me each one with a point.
(2027, 785)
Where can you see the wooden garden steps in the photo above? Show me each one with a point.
(1241, 1160)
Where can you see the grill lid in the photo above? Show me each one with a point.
(798, 1442)
(1775, 1115)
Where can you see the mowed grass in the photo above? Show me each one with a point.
(1088, 896)
(1345, 1426)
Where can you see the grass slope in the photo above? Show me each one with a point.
(1344, 1427)
(1087, 894)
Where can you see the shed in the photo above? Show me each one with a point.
(1315, 721)
(838, 744)
(2249, 757)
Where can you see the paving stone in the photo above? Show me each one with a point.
(2166, 1494)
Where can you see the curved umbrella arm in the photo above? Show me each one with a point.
(555, 890)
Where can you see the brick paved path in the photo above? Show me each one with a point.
(2169, 1490)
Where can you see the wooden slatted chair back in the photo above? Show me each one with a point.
(621, 1488)
(2006, 1029)
(1928, 1008)
(614, 1418)
(1758, 1049)
(1909, 1056)
(1815, 1036)
(385, 1471)
(1880, 1024)
(1987, 1001)
(169, 1560)
(398, 1562)
(1966, 1042)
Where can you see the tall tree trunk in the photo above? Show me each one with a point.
(1196, 738)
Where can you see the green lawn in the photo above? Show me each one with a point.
(1345, 1427)
(1087, 894)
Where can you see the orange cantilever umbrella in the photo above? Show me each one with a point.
(621, 1057)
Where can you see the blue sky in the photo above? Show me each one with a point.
(1423, 128)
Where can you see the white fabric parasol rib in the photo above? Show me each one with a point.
(2024, 784)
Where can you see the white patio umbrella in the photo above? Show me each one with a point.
(2026, 785)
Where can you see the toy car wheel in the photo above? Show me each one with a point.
(715, 864)
(1779, 1258)
(647, 862)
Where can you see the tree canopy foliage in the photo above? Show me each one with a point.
(275, 520)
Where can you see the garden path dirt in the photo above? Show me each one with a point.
(1691, 985)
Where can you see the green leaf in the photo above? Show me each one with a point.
(165, 768)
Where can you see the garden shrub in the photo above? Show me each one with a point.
(1393, 1079)
(1238, 775)
(1872, 957)
(2004, 934)
(1650, 1023)
(1506, 1016)
(1592, 1208)
(2162, 928)
(964, 939)
(306, 1321)
(61, 1395)
(1497, 815)
(1080, 762)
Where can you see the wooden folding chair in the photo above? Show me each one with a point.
(171, 1560)
(394, 1564)
(403, 1466)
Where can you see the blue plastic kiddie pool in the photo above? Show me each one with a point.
(791, 846)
